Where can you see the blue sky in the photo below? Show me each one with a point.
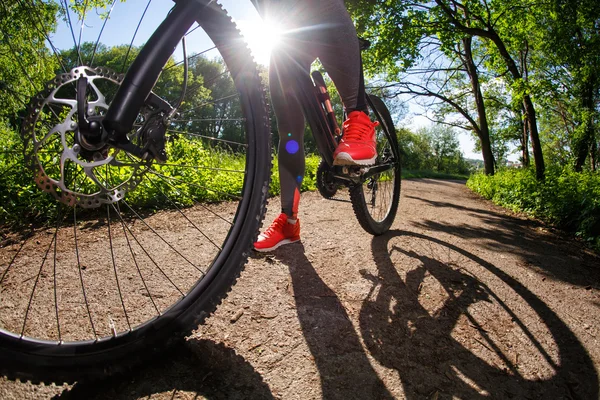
(125, 17)
(122, 24)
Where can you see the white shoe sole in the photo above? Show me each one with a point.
(284, 241)
(346, 159)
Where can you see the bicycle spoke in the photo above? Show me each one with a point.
(237, 171)
(33, 14)
(79, 268)
(55, 283)
(117, 210)
(65, 6)
(12, 261)
(112, 6)
(163, 239)
(18, 61)
(190, 57)
(214, 139)
(196, 185)
(208, 120)
(187, 219)
(219, 100)
(133, 38)
(37, 278)
(114, 264)
(199, 204)
(81, 32)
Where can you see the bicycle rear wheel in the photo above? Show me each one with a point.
(106, 258)
(375, 201)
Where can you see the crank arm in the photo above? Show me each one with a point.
(377, 169)
(360, 174)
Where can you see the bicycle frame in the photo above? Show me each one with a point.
(321, 119)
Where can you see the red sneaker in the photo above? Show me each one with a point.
(357, 146)
(279, 233)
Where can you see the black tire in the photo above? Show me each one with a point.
(375, 202)
(326, 181)
(45, 358)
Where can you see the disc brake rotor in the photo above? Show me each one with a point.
(64, 164)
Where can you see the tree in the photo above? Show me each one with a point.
(446, 59)
(571, 41)
(25, 62)
(482, 19)
(444, 146)
(409, 22)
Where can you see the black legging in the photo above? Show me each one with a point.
(314, 29)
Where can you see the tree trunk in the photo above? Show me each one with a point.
(527, 103)
(583, 141)
(538, 158)
(525, 142)
(484, 131)
(594, 155)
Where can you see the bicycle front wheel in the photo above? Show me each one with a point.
(375, 201)
(107, 257)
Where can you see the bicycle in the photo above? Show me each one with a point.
(109, 151)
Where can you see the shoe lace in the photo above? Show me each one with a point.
(276, 226)
(354, 131)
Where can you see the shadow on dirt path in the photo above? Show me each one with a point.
(194, 369)
(550, 254)
(460, 300)
(403, 333)
(345, 371)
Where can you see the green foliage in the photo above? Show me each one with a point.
(309, 183)
(432, 149)
(25, 62)
(19, 196)
(395, 30)
(83, 7)
(566, 199)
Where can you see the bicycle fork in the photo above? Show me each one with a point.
(135, 90)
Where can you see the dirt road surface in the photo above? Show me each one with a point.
(460, 300)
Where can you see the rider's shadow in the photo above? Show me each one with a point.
(197, 368)
(418, 341)
(344, 369)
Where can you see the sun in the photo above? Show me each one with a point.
(261, 36)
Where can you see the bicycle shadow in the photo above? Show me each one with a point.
(344, 369)
(197, 368)
(438, 345)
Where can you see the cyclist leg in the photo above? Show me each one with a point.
(338, 50)
(335, 42)
(290, 125)
(286, 63)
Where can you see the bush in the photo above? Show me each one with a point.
(21, 198)
(565, 199)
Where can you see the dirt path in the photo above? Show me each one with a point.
(458, 300)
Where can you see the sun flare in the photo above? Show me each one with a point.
(261, 37)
